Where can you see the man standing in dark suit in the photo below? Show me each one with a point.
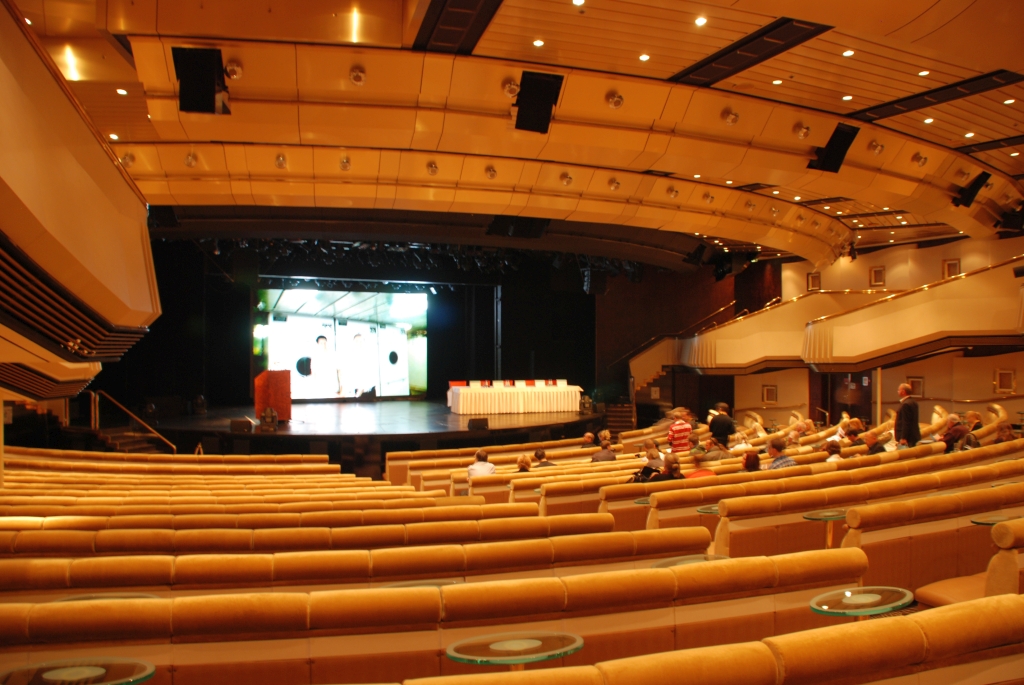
(908, 430)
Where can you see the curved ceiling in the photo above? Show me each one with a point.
(725, 162)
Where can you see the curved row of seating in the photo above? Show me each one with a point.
(338, 635)
(70, 466)
(1003, 575)
(937, 646)
(85, 455)
(338, 567)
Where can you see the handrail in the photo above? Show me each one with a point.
(99, 393)
(1008, 396)
(776, 302)
(714, 325)
(658, 338)
(920, 288)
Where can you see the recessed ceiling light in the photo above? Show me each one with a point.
(700, 21)
(827, 207)
(696, 233)
(777, 82)
(644, 57)
(696, 175)
(904, 223)
(578, 3)
(1014, 154)
(856, 221)
(796, 197)
(122, 91)
(892, 241)
(960, 231)
(28, 21)
(775, 192)
(899, 217)
(1009, 101)
(969, 135)
(892, 232)
(113, 136)
(847, 97)
(858, 237)
(729, 183)
(838, 212)
(928, 120)
(885, 209)
(923, 72)
(538, 43)
(848, 53)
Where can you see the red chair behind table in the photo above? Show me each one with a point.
(531, 384)
(456, 384)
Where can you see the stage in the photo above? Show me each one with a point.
(358, 434)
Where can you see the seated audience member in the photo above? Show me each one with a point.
(655, 459)
(480, 467)
(834, 451)
(542, 459)
(972, 420)
(851, 426)
(871, 440)
(1004, 433)
(679, 433)
(793, 439)
(713, 451)
(589, 440)
(670, 471)
(604, 435)
(722, 426)
(698, 470)
(605, 453)
(955, 432)
(523, 462)
(649, 445)
(855, 437)
(779, 460)
(751, 462)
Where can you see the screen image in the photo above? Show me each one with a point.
(344, 344)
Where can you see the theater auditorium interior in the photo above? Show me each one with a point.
(311, 310)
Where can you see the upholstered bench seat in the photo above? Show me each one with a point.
(952, 590)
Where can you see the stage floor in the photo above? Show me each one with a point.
(388, 418)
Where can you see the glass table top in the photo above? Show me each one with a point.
(84, 671)
(505, 649)
(1009, 482)
(687, 559)
(826, 515)
(992, 519)
(862, 601)
(708, 509)
(645, 501)
(427, 582)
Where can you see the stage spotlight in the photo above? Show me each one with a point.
(433, 291)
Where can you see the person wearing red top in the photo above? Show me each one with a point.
(679, 433)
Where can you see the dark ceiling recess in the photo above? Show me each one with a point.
(454, 26)
(825, 201)
(754, 187)
(200, 74)
(830, 158)
(936, 96)
(538, 93)
(518, 226)
(768, 41)
(992, 145)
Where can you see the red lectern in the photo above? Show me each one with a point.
(274, 390)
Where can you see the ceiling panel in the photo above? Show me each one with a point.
(610, 35)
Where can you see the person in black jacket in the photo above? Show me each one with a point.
(722, 426)
(908, 429)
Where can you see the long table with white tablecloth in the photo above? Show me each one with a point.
(505, 400)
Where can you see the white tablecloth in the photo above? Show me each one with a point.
(502, 400)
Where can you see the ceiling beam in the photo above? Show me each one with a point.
(454, 26)
(938, 96)
(992, 145)
(768, 41)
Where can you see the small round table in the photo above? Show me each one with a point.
(514, 649)
(84, 671)
(708, 509)
(829, 516)
(862, 601)
(687, 559)
(1009, 482)
(992, 519)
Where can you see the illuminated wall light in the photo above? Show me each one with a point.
(538, 43)
(122, 91)
(355, 25)
(928, 120)
(777, 82)
(700, 21)
(898, 218)
(886, 209)
(847, 97)
(69, 57)
(969, 135)
(796, 198)
(1009, 101)
(892, 241)
(838, 212)
(28, 21)
(923, 72)
(644, 57)
(904, 223)
(858, 237)
(113, 136)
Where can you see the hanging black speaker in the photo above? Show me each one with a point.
(830, 157)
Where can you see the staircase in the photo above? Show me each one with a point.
(124, 439)
(620, 418)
